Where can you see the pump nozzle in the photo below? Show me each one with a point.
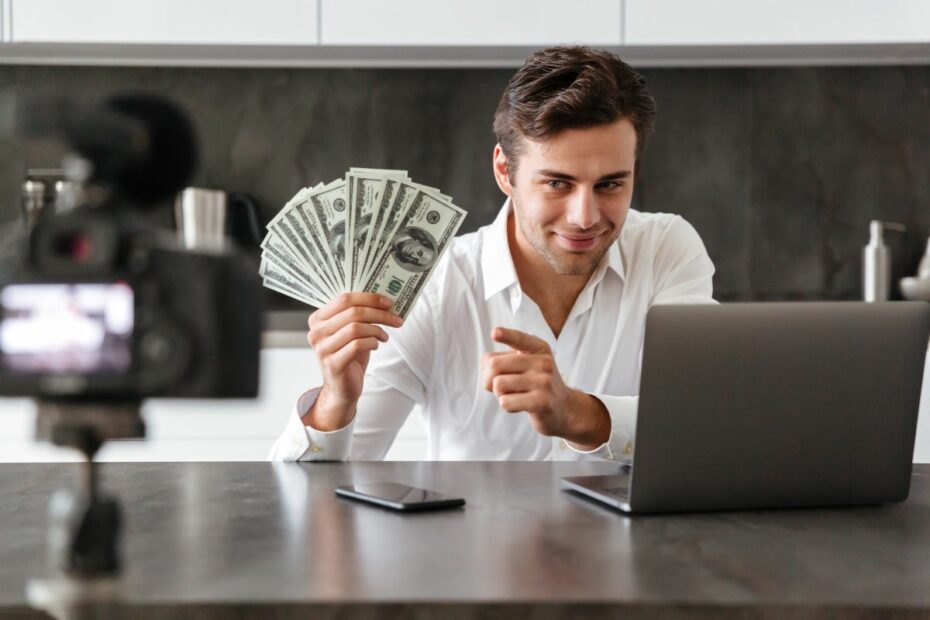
(876, 262)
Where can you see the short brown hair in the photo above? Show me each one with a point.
(571, 87)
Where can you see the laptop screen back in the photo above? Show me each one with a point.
(752, 405)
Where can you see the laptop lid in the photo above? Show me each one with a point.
(758, 405)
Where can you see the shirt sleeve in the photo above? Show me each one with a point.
(395, 382)
(683, 274)
(381, 412)
(305, 443)
(619, 446)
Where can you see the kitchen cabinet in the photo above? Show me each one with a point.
(199, 22)
(461, 33)
(204, 430)
(6, 24)
(475, 22)
(776, 22)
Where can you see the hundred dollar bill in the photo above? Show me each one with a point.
(326, 211)
(391, 179)
(302, 222)
(421, 235)
(298, 244)
(364, 191)
(390, 213)
(288, 235)
(273, 245)
(285, 282)
(403, 195)
(375, 240)
(288, 206)
(385, 171)
(273, 262)
(277, 286)
(434, 192)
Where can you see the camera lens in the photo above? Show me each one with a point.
(75, 246)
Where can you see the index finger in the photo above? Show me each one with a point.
(521, 341)
(347, 300)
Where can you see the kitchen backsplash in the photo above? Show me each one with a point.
(779, 169)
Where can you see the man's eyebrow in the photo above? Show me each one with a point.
(555, 174)
(620, 174)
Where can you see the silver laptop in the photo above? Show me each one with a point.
(772, 405)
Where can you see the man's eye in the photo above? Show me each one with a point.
(555, 183)
(610, 185)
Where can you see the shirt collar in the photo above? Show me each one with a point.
(615, 259)
(497, 263)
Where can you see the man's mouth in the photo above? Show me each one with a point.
(578, 242)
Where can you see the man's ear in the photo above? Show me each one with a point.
(501, 173)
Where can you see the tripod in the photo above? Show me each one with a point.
(84, 523)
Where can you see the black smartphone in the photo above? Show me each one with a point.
(399, 496)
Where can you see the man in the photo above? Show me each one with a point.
(526, 343)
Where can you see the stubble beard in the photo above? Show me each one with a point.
(565, 263)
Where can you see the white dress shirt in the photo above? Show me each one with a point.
(434, 359)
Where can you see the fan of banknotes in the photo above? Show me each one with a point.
(373, 230)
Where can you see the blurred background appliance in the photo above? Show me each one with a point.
(210, 219)
(47, 191)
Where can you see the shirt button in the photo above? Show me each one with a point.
(563, 445)
(628, 449)
(316, 449)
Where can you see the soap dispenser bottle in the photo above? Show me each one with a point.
(876, 262)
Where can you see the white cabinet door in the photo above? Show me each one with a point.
(204, 430)
(268, 22)
(469, 22)
(775, 22)
(6, 25)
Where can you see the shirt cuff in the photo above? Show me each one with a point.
(305, 443)
(620, 445)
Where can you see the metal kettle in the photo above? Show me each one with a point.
(211, 219)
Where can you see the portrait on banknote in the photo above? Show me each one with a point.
(414, 249)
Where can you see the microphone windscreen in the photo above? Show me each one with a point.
(170, 157)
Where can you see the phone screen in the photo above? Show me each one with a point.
(398, 496)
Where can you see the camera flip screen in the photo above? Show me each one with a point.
(66, 328)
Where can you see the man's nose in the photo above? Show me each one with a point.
(583, 211)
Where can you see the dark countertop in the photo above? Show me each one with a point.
(286, 329)
(287, 320)
(231, 539)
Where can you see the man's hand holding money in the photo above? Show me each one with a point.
(360, 249)
(343, 333)
(526, 379)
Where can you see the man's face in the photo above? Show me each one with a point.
(571, 194)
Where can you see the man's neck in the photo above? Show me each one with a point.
(555, 294)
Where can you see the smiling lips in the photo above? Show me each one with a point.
(578, 242)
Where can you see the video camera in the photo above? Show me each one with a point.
(103, 310)
(103, 306)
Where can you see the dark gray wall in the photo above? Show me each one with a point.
(780, 169)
